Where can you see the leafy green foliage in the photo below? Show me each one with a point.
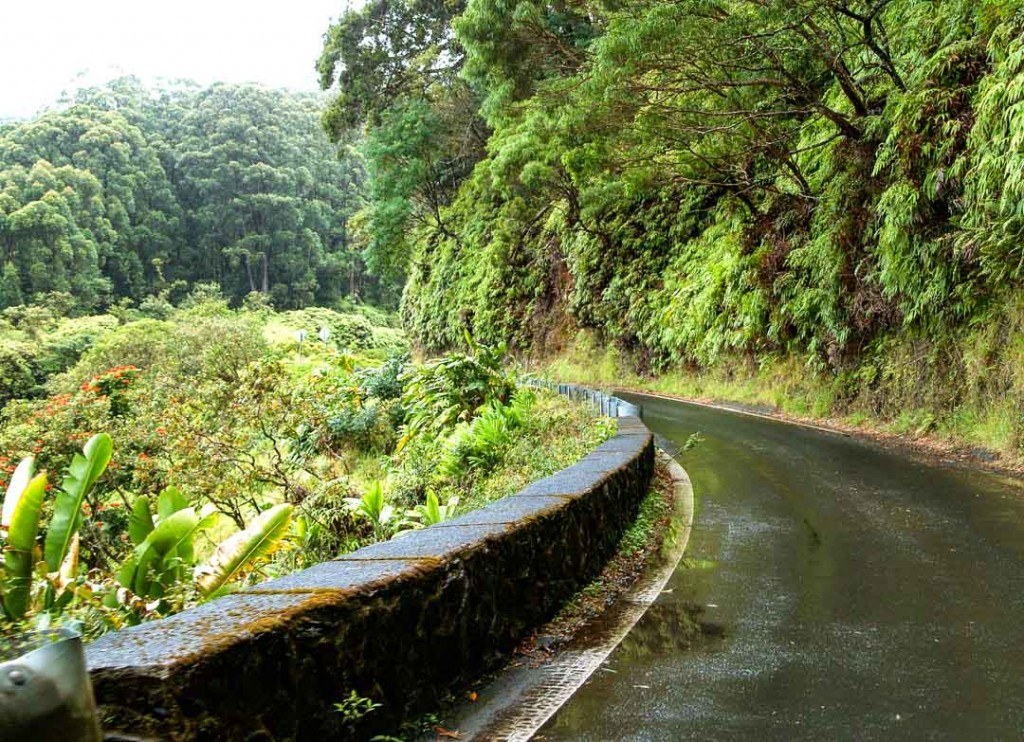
(396, 67)
(695, 183)
(86, 468)
(385, 381)
(267, 455)
(164, 547)
(480, 444)
(432, 511)
(22, 509)
(355, 707)
(257, 541)
(130, 193)
(373, 506)
(454, 388)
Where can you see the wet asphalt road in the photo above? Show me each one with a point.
(863, 594)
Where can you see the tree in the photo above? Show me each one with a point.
(715, 176)
(10, 287)
(395, 66)
(129, 191)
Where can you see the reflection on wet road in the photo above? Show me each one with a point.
(863, 594)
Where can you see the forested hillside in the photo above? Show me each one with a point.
(832, 185)
(124, 192)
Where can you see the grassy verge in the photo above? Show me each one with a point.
(557, 434)
(902, 397)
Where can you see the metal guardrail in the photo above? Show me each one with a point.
(45, 693)
(608, 404)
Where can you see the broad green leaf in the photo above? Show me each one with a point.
(126, 574)
(19, 480)
(260, 538)
(140, 522)
(67, 510)
(161, 557)
(21, 541)
(171, 500)
(185, 549)
(23, 525)
(164, 539)
(69, 567)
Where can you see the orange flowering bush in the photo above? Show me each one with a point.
(113, 383)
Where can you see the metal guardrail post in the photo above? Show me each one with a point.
(607, 404)
(45, 693)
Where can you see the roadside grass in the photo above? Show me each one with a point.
(558, 433)
(979, 407)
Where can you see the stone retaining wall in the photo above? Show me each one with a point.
(403, 622)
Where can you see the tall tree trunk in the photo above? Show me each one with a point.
(248, 270)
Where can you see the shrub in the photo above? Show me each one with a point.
(18, 371)
(62, 348)
(363, 426)
(348, 331)
(480, 444)
(375, 508)
(452, 389)
(385, 381)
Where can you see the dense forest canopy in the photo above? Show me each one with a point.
(126, 192)
(691, 179)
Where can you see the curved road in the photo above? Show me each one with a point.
(862, 594)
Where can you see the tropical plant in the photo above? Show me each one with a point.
(22, 508)
(373, 506)
(239, 552)
(479, 444)
(431, 512)
(164, 557)
(453, 388)
(81, 477)
(164, 553)
(164, 546)
(23, 503)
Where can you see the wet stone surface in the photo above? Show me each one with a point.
(508, 510)
(341, 575)
(160, 644)
(400, 622)
(431, 542)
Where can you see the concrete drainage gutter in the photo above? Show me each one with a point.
(401, 622)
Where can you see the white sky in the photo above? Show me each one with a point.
(46, 44)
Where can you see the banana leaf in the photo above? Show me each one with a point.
(67, 510)
(160, 559)
(140, 522)
(19, 480)
(235, 554)
(26, 505)
(171, 500)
